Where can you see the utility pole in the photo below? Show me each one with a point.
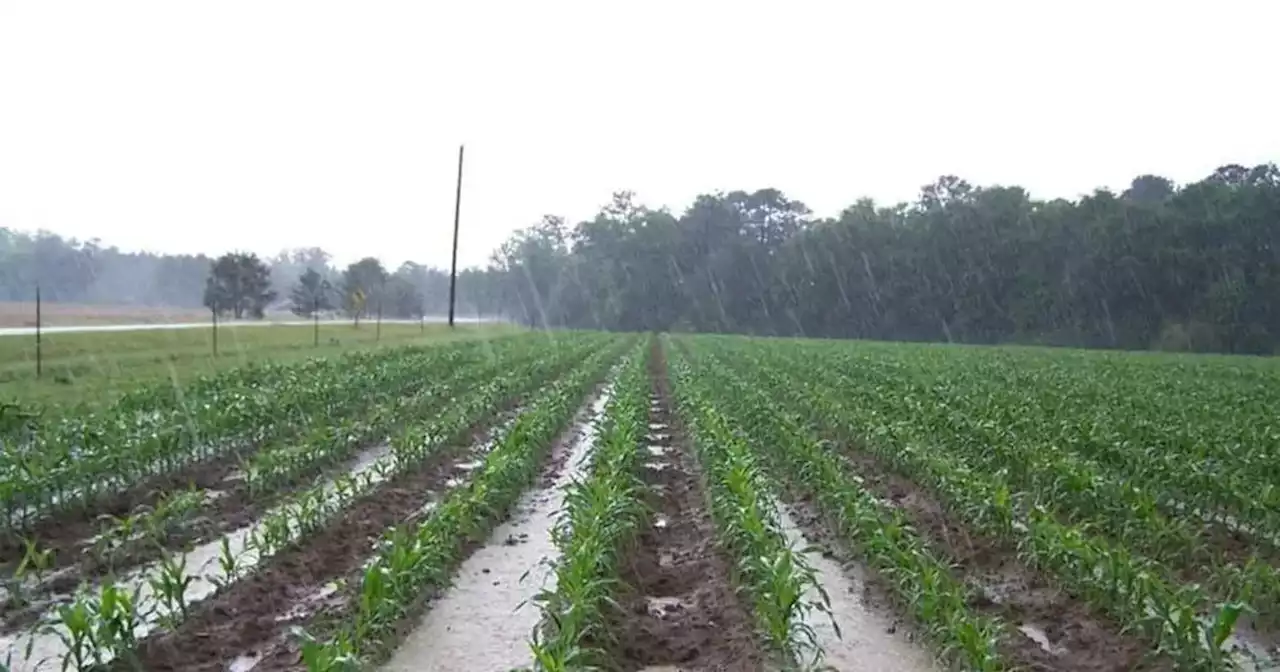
(378, 332)
(39, 352)
(457, 210)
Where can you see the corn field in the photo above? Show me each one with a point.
(587, 501)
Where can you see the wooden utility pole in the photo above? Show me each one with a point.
(457, 210)
(39, 352)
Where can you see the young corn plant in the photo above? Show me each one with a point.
(408, 562)
(919, 580)
(602, 513)
(771, 572)
(170, 588)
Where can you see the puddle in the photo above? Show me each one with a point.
(483, 621)
(656, 426)
(308, 604)
(656, 451)
(867, 643)
(658, 438)
(1249, 651)
(244, 663)
(660, 607)
(660, 521)
(1037, 634)
(202, 566)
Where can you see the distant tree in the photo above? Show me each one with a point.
(1149, 190)
(312, 293)
(239, 284)
(402, 298)
(362, 285)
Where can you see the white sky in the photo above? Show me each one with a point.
(183, 126)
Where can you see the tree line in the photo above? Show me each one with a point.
(241, 285)
(1195, 267)
(1191, 267)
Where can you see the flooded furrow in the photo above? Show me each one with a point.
(682, 612)
(202, 565)
(1049, 629)
(868, 639)
(302, 579)
(482, 623)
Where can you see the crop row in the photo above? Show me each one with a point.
(894, 419)
(774, 575)
(604, 512)
(288, 462)
(989, 437)
(301, 515)
(78, 459)
(919, 579)
(410, 560)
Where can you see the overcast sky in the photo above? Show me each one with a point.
(184, 126)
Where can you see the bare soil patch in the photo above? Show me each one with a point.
(1052, 629)
(681, 608)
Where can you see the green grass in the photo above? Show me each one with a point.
(96, 367)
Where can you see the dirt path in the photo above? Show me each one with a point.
(483, 622)
(1054, 631)
(682, 612)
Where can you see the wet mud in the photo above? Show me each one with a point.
(277, 651)
(1051, 630)
(869, 638)
(680, 608)
(482, 623)
(253, 615)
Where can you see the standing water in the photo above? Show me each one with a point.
(483, 622)
(869, 640)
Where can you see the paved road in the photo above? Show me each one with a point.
(30, 331)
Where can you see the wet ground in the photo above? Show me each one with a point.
(484, 620)
(869, 639)
(1052, 630)
(250, 620)
(682, 612)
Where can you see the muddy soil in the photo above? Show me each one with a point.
(230, 507)
(247, 626)
(67, 533)
(484, 620)
(1052, 630)
(281, 653)
(64, 532)
(681, 610)
(256, 611)
(870, 638)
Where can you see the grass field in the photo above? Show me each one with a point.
(23, 314)
(96, 367)
(701, 502)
